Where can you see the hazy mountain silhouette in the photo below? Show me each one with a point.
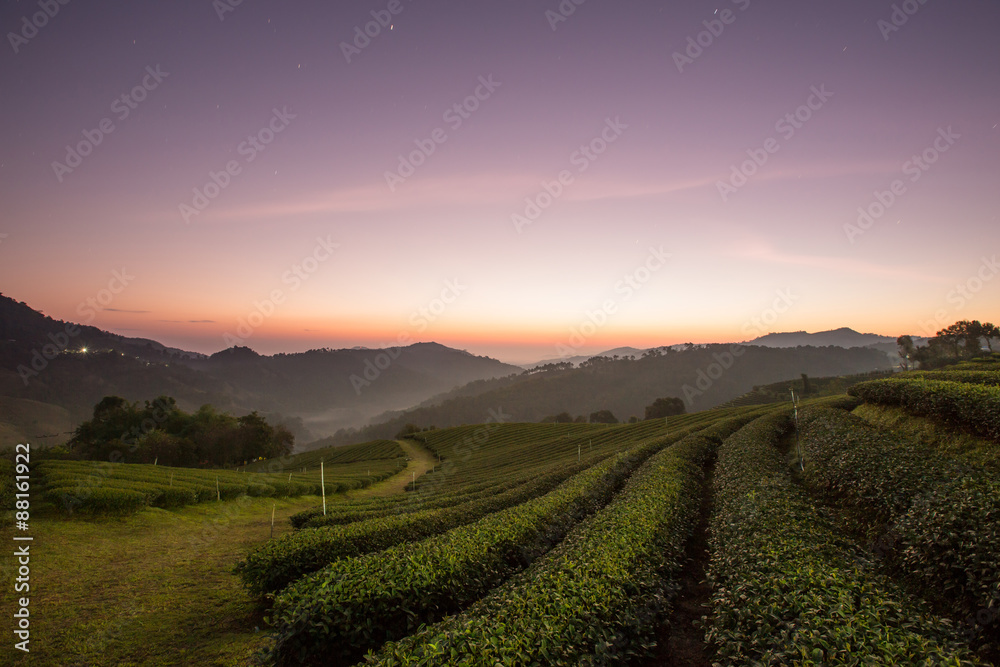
(41, 361)
(579, 359)
(704, 376)
(843, 337)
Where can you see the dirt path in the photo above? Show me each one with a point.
(680, 641)
(421, 460)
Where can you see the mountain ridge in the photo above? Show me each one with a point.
(73, 366)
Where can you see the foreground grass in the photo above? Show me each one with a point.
(155, 588)
(152, 589)
(420, 461)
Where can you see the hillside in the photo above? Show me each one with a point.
(843, 337)
(626, 386)
(43, 361)
(333, 388)
(556, 532)
(24, 330)
(579, 359)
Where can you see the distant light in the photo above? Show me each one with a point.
(84, 350)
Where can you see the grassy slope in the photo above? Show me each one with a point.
(23, 420)
(152, 589)
(155, 588)
(420, 461)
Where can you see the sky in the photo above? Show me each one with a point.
(521, 179)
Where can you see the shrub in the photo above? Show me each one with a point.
(788, 588)
(99, 500)
(970, 407)
(256, 489)
(596, 597)
(358, 603)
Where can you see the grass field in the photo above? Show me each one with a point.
(154, 588)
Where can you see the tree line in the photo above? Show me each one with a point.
(962, 340)
(160, 432)
(658, 409)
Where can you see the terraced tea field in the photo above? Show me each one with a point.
(857, 529)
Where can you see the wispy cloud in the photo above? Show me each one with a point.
(847, 265)
(131, 312)
(189, 321)
(485, 189)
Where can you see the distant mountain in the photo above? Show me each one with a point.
(331, 389)
(843, 337)
(44, 372)
(24, 330)
(704, 376)
(621, 352)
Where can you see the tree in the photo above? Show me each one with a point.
(603, 417)
(594, 362)
(936, 353)
(561, 418)
(906, 351)
(963, 337)
(960, 340)
(110, 406)
(806, 385)
(407, 431)
(282, 442)
(990, 331)
(544, 368)
(168, 450)
(114, 418)
(255, 438)
(979, 330)
(161, 431)
(665, 407)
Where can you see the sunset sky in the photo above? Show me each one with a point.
(653, 225)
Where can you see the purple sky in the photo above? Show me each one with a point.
(652, 237)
